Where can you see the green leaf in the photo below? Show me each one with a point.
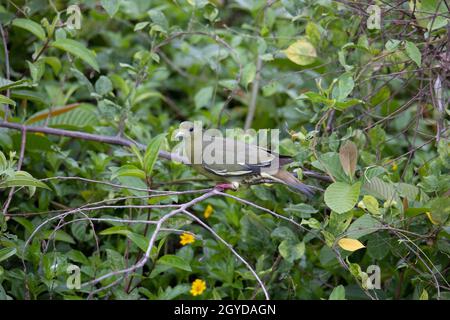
(141, 25)
(371, 204)
(344, 87)
(203, 97)
(414, 53)
(30, 26)
(290, 250)
(362, 226)
(248, 74)
(28, 95)
(128, 170)
(140, 241)
(59, 235)
(392, 45)
(103, 85)
(78, 50)
(330, 163)
(301, 52)
(6, 253)
(342, 197)
(159, 19)
(7, 84)
(151, 154)
(22, 179)
(110, 6)
(338, 293)
(175, 262)
(6, 100)
(381, 189)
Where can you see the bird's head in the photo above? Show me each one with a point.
(186, 130)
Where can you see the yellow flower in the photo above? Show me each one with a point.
(208, 211)
(394, 166)
(186, 238)
(198, 286)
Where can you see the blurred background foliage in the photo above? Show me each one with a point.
(365, 107)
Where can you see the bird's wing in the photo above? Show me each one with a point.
(228, 157)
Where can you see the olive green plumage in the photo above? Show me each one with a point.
(240, 162)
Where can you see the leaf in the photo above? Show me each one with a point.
(159, 19)
(371, 204)
(344, 87)
(332, 164)
(51, 113)
(424, 295)
(338, 293)
(301, 52)
(408, 191)
(381, 190)
(6, 100)
(414, 53)
(248, 74)
(80, 116)
(6, 253)
(128, 170)
(53, 62)
(350, 244)
(203, 97)
(28, 95)
(348, 154)
(291, 251)
(439, 210)
(78, 50)
(59, 235)
(30, 26)
(175, 262)
(141, 25)
(22, 179)
(140, 241)
(362, 226)
(152, 152)
(7, 84)
(392, 45)
(342, 197)
(110, 6)
(103, 85)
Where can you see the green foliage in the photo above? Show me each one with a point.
(364, 110)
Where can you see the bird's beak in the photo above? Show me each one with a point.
(179, 134)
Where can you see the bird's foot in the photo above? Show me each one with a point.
(226, 186)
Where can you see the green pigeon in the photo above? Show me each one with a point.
(235, 162)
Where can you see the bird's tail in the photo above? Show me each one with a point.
(290, 180)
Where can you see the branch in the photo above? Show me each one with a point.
(152, 240)
(89, 136)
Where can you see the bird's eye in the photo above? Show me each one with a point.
(191, 129)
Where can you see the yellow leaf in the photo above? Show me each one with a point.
(430, 217)
(301, 52)
(51, 113)
(350, 244)
(424, 295)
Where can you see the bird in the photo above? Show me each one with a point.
(235, 162)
